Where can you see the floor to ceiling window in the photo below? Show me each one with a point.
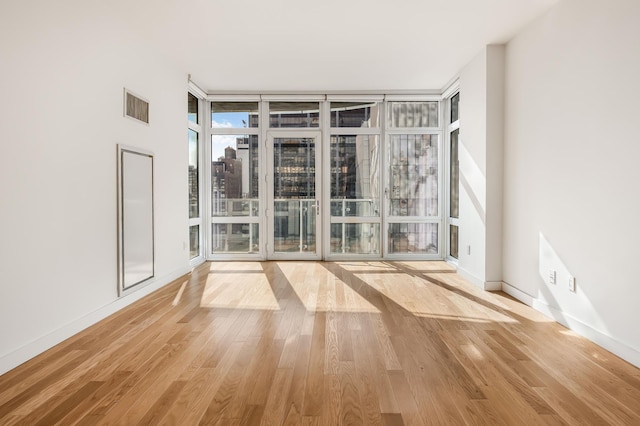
(324, 177)
(194, 114)
(413, 181)
(234, 179)
(355, 179)
(453, 208)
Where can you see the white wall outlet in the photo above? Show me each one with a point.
(572, 284)
(184, 245)
(552, 276)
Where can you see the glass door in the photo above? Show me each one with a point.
(293, 219)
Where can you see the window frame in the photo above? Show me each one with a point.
(199, 221)
(388, 219)
(351, 131)
(384, 134)
(451, 127)
(211, 220)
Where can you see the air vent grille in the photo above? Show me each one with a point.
(136, 107)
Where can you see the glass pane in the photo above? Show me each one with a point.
(413, 175)
(355, 175)
(355, 208)
(294, 114)
(294, 163)
(294, 191)
(294, 226)
(234, 114)
(194, 191)
(355, 238)
(234, 238)
(234, 175)
(455, 102)
(192, 108)
(413, 238)
(454, 177)
(453, 241)
(355, 114)
(194, 241)
(413, 114)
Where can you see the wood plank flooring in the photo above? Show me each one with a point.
(323, 343)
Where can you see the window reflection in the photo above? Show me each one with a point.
(413, 238)
(194, 241)
(413, 114)
(294, 192)
(354, 114)
(294, 163)
(454, 177)
(194, 187)
(413, 175)
(455, 102)
(453, 241)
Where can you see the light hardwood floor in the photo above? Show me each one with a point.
(312, 343)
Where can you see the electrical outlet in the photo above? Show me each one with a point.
(469, 250)
(572, 284)
(552, 276)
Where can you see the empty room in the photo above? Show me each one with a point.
(339, 213)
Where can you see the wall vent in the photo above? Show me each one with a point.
(136, 107)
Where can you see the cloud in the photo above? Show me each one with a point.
(223, 124)
(220, 142)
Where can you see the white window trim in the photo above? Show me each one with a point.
(199, 129)
(453, 90)
(326, 132)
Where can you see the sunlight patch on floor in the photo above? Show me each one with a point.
(414, 287)
(331, 295)
(424, 289)
(238, 290)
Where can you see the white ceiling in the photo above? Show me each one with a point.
(325, 45)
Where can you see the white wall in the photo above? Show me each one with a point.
(480, 156)
(64, 67)
(571, 151)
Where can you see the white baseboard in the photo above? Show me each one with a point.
(21, 355)
(520, 295)
(609, 343)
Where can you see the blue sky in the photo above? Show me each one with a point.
(226, 120)
(229, 119)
